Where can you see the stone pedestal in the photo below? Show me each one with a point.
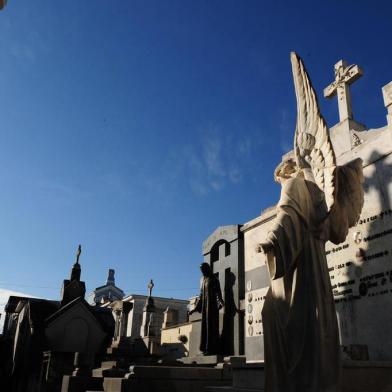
(247, 377)
(342, 135)
(152, 344)
(81, 383)
(148, 323)
(366, 376)
(205, 360)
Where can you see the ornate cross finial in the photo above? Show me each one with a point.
(150, 286)
(79, 251)
(344, 76)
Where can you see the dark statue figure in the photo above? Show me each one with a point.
(150, 286)
(208, 304)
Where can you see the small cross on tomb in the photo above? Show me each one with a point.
(344, 76)
(150, 286)
(78, 252)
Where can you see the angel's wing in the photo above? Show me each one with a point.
(312, 145)
(348, 201)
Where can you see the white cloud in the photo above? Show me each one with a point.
(212, 151)
(235, 175)
(244, 147)
(218, 159)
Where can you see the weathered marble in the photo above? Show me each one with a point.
(344, 76)
(256, 283)
(387, 94)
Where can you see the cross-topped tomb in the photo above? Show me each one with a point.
(344, 76)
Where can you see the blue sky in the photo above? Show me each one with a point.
(137, 127)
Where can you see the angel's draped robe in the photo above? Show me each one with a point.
(301, 339)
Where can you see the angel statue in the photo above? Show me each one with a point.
(319, 202)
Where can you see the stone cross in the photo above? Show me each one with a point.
(344, 76)
(150, 286)
(79, 251)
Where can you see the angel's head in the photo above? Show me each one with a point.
(285, 170)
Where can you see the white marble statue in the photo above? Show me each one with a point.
(319, 202)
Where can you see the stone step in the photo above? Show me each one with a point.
(247, 376)
(82, 383)
(172, 378)
(231, 389)
(109, 372)
(113, 384)
(203, 360)
(367, 376)
(108, 364)
(357, 376)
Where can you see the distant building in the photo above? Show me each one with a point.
(107, 293)
(129, 314)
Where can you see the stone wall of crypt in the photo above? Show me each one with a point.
(360, 268)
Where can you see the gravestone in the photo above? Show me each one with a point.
(223, 250)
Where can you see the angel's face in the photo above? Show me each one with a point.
(285, 170)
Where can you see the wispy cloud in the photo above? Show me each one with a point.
(25, 49)
(212, 151)
(218, 159)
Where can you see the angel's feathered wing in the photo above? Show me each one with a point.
(342, 186)
(312, 145)
(348, 201)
